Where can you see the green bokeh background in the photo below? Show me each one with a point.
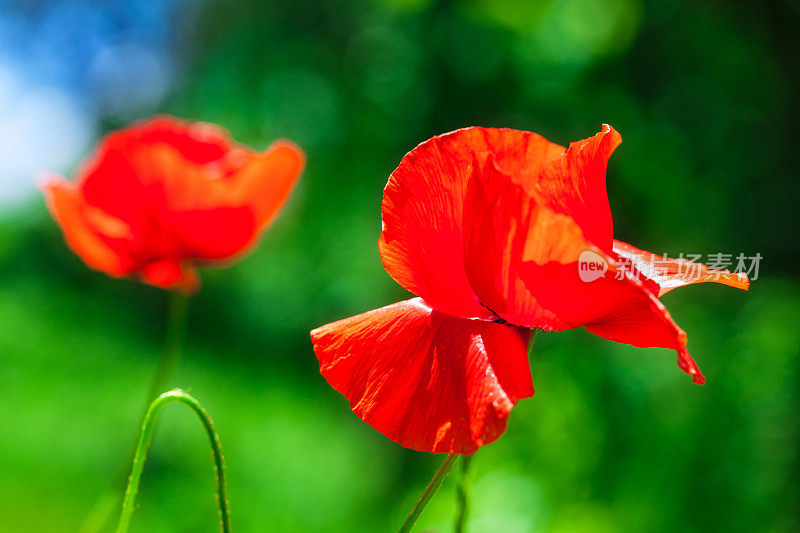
(615, 439)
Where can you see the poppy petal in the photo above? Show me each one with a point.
(267, 180)
(423, 208)
(215, 233)
(209, 217)
(575, 185)
(96, 237)
(505, 227)
(424, 203)
(671, 273)
(108, 181)
(206, 220)
(162, 194)
(132, 155)
(198, 142)
(618, 306)
(427, 380)
(171, 274)
(647, 324)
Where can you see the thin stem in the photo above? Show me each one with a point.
(173, 345)
(139, 458)
(462, 495)
(430, 491)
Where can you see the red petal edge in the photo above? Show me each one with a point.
(619, 306)
(671, 273)
(645, 324)
(100, 240)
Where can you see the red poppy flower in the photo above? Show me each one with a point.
(489, 227)
(163, 195)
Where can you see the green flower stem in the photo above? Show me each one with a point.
(430, 491)
(139, 458)
(173, 345)
(462, 495)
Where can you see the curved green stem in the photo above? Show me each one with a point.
(177, 305)
(430, 491)
(143, 445)
(462, 494)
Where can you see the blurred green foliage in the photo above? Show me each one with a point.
(615, 439)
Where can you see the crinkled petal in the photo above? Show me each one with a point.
(423, 208)
(427, 380)
(426, 209)
(524, 242)
(669, 273)
(505, 227)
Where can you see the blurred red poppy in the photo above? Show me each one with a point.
(164, 195)
(490, 228)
